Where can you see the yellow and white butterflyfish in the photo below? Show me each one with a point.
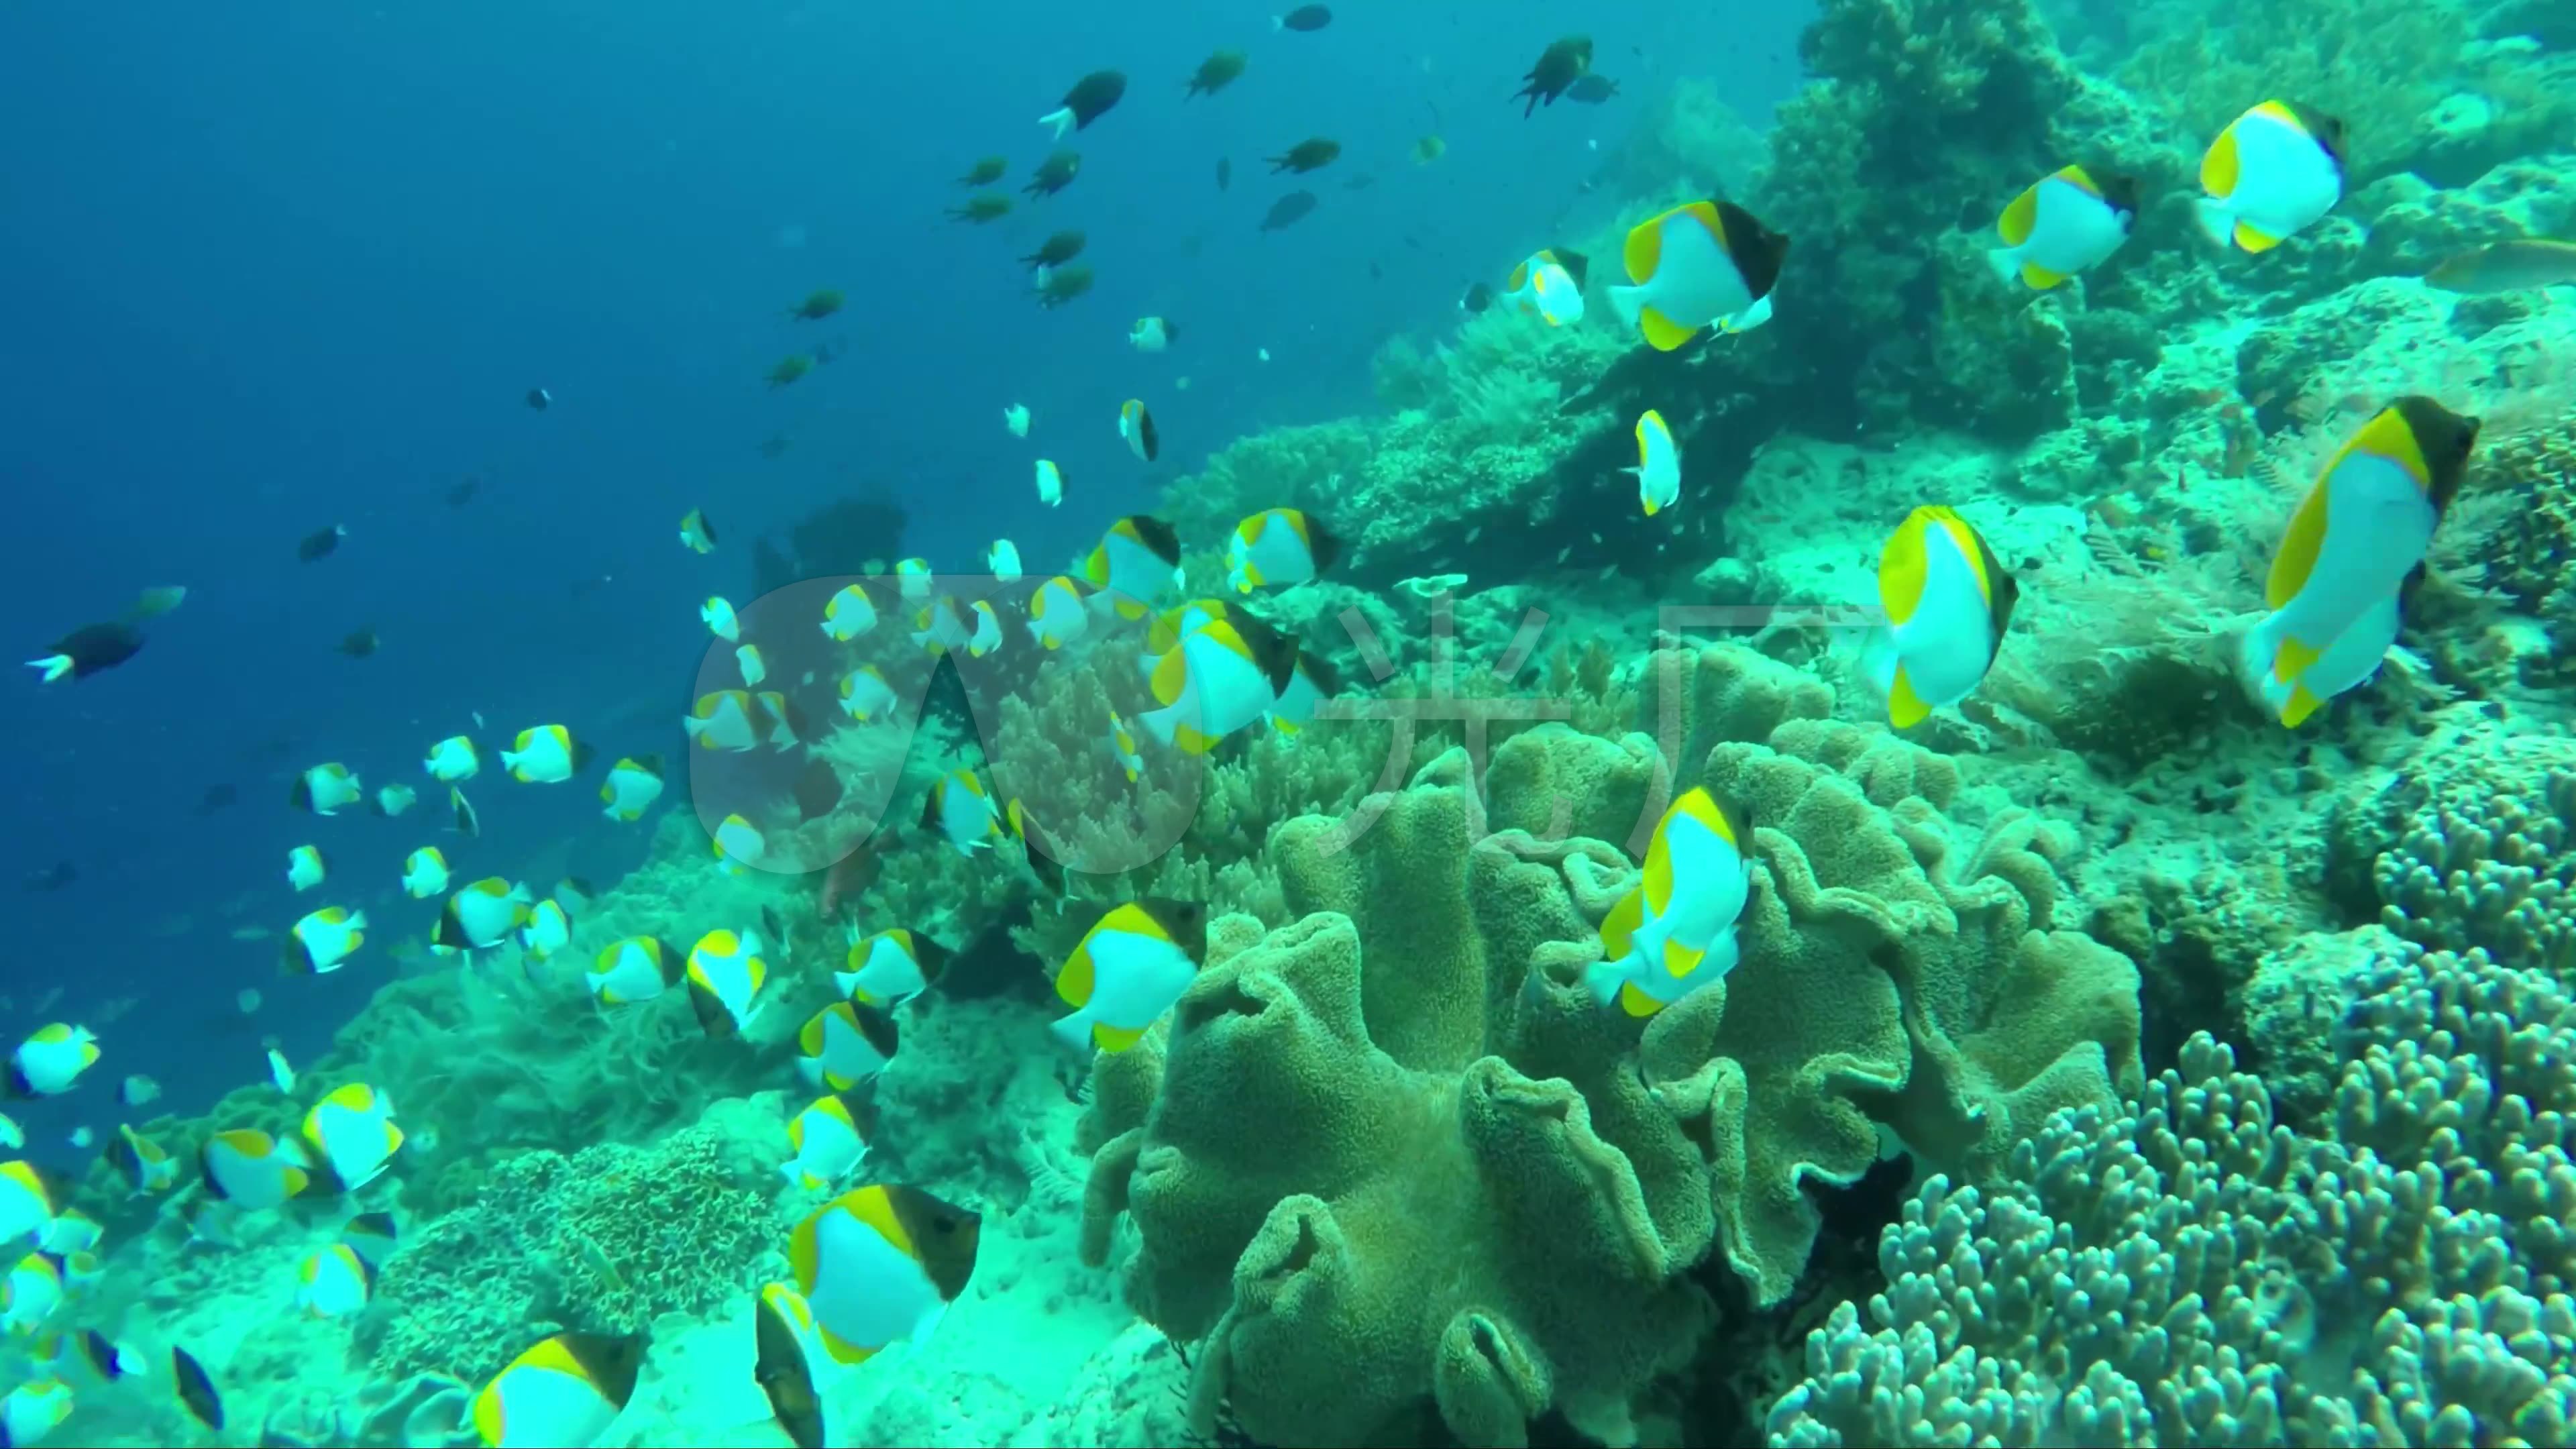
(633, 784)
(482, 915)
(33, 1410)
(889, 968)
(831, 1140)
(71, 1231)
(720, 618)
(1122, 747)
(1151, 334)
(372, 1236)
(562, 1393)
(754, 668)
(913, 581)
(325, 789)
(1136, 425)
(1129, 969)
(1016, 418)
(1703, 264)
(1314, 681)
(1948, 601)
(737, 843)
(352, 1130)
(2363, 527)
(2066, 222)
(279, 1072)
(1217, 680)
(1135, 562)
(942, 626)
(957, 807)
(146, 1165)
(392, 800)
(865, 695)
(251, 1170)
(29, 1201)
(424, 873)
(82, 1268)
(987, 635)
(782, 723)
(696, 534)
(305, 867)
(548, 929)
(1549, 286)
(1004, 560)
(791, 1367)
(334, 1283)
(1675, 931)
(880, 1264)
(1659, 464)
(726, 719)
(452, 759)
(845, 1044)
(1057, 614)
(635, 969)
(849, 613)
(323, 939)
(51, 1058)
(1167, 629)
(12, 1136)
(546, 755)
(1279, 548)
(31, 1292)
(461, 812)
(2274, 172)
(725, 974)
(1050, 483)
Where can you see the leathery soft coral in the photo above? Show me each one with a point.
(1468, 1180)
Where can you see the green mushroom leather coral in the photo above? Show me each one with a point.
(1394, 1152)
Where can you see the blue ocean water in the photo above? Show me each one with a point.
(270, 271)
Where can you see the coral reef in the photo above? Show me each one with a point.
(1438, 1083)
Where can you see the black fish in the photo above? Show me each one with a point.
(196, 1391)
(1592, 90)
(1559, 66)
(818, 790)
(359, 644)
(540, 399)
(319, 543)
(776, 938)
(457, 495)
(91, 648)
(1054, 174)
(1288, 210)
(1478, 298)
(1304, 17)
(53, 877)
(1089, 100)
(1224, 173)
(217, 797)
